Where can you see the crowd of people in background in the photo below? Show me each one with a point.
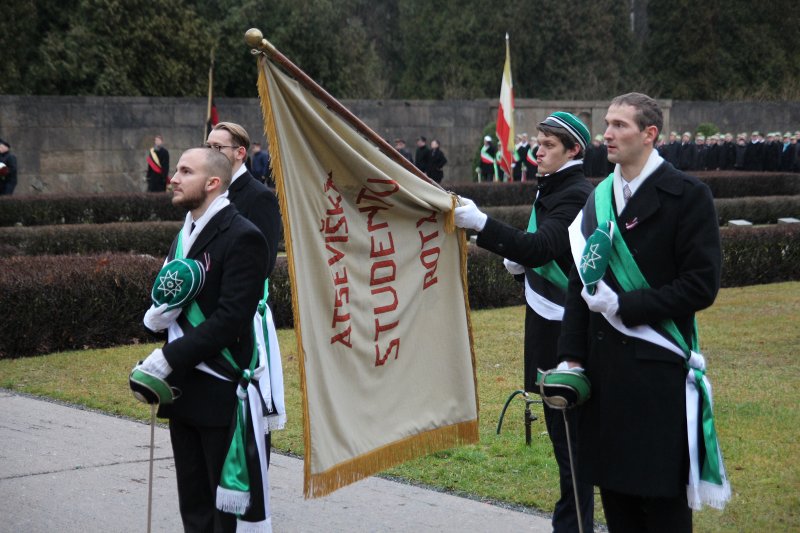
(773, 152)
(428, 159)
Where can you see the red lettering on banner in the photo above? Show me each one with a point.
(372, 210)
(372, 199)
(381, 251)
(429, 257)
(382, 267)
(385, 308)
(431, 218)
(394, 344)
(343, 337)
(335, 230)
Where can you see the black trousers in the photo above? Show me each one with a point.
(199, 454)
(627, 513)
(565, 514)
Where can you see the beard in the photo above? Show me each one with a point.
(189, 202)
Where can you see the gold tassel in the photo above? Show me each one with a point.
(450, 216)
(390, 455)
(463, 249)
(270, 131)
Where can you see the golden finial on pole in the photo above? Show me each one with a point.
(256, 41)
(253, 38)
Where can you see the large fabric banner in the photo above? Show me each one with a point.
(379, 294)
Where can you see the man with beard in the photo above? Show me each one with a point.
(541, 257)
(203, 357)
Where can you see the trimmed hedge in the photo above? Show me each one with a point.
(756, 209)
(50, 209)
(722, 184)
(55, 303)
(760, 254)
(153, 238)
(732, 184)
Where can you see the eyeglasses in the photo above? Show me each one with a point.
(219, 147)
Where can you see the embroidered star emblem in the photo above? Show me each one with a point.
(170, 284)
(590, 258)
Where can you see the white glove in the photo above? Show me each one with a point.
(158, 318)
(564, 365)
(513, 268)
(156, 364)
(604, 300)
(468, 216)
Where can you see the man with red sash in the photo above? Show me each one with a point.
(157, 166)
(541, 256)
(647, 436)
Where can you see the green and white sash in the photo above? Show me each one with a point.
(543, 306)
(708, 483)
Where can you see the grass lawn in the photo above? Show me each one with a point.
(748, 338)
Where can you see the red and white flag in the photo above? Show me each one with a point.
(505, 116)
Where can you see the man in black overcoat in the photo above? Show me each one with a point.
(252, 198)
(633, 429)
(234, 254)
(422, 157)
(532, 256)
(157, 166)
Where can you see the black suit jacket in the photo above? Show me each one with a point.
(436, 163)
(633, 428)
(235, 254)
(259, 205)
(561, 197)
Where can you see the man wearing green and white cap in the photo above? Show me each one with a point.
(541, 256)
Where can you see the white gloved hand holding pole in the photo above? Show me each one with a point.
(156, 364)
(468, 216)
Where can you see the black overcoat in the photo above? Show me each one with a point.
(633, 428)
(258, 204)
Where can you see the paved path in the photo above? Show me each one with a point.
(64, 469)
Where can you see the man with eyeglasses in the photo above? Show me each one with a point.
(253, 200)
(259, 205)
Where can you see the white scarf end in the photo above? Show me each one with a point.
(716, 496)
(232, 501)
(274, 422)
(265, 526)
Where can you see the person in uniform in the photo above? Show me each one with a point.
(541, 257)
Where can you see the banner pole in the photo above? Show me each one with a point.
(255, 39)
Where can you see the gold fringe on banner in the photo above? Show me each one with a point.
(463, 248)
(390, 455)
(277, 173)
(450, 216)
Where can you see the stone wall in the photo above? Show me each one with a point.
(99, 144)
